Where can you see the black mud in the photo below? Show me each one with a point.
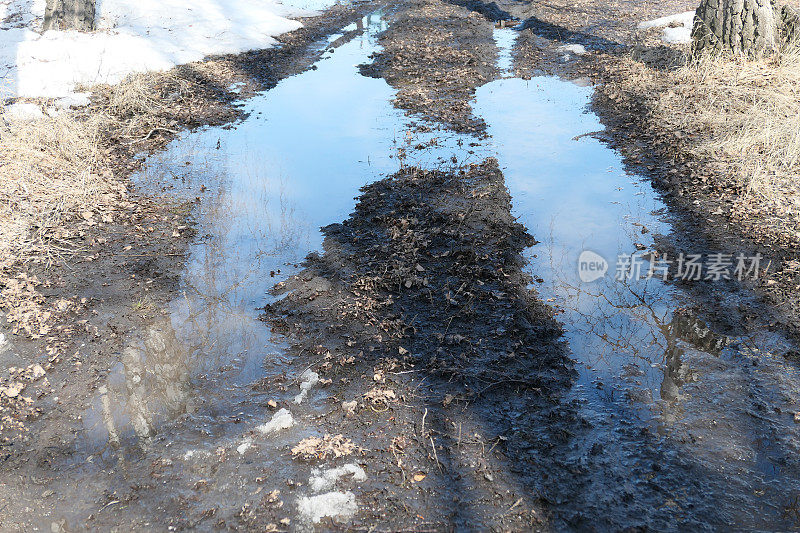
(436, 54)
(425, 317)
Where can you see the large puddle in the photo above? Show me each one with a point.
(645, 358)
(266, 185)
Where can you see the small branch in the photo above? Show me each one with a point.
(151, 132)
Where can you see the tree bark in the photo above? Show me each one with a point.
(69, 15)
(737, 26)
(790, 25)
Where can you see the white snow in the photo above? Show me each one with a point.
(326, 479)
(315, 508)
(74, 100)
(132, 36)
(577, 49)
(309, 379)
(283, 419)
(681, 33)
(21, 112)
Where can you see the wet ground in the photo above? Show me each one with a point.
(455, 372)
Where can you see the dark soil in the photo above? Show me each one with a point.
(422, 291)
(435, 55)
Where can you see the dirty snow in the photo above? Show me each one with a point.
(283, 419)
(74, 100)
(315, 508)
(326, 479)
(309, 379)
(577, 49)
(189, 454)
(681, 33)
(132, 36)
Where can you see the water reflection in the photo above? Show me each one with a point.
(151, 381)
(263, 188)
(644, 356)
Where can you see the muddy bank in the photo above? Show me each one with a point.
(435, 54)
(420, 313)
(709, 191)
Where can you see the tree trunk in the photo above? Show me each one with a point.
(736, 26)
(69, 15)
(790, 26)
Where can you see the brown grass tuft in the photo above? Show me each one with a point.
(54, 170)
(744, 116)
(50, 174)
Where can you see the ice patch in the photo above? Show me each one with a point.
(283, 419)
(577, 49)
(326, 479)
(22, 112)
(315, 508)
(681, 33)
(309, 379)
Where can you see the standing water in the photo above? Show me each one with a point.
(645, 359)
(266, 187)
(648, 365)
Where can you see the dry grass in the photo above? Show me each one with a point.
(50, 175)
(745, 117)
(143, 100)
(55, 170)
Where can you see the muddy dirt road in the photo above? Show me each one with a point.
(432, 358)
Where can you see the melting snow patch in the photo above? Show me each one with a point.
(315, 508)
(577, 49)
(281, 420)
(677, 28)
(244, 446)
(326, 479)
(22, 112)
(309, 379)
(73, 100)
(132, 36)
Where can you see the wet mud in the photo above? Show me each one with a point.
(435, 54)
(426, 320)
(429, 359)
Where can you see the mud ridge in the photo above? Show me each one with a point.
(421, 293)
(437, 66)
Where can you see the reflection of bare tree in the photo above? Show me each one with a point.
(154, 383)
(637, 324)
(246, 235)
